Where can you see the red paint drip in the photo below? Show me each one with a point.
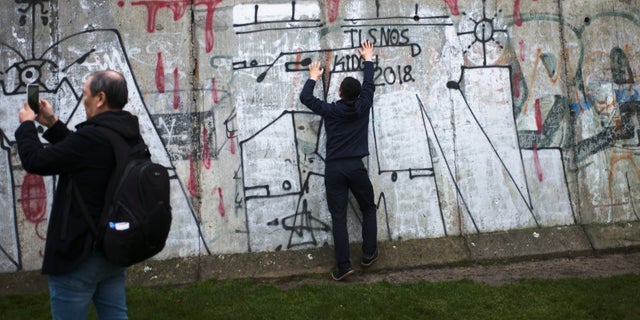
(517, 15)
(333, 8)
(232, 141)
(192, 186)
(298, 59)
(516, 85)
(120, 4)
(208, 26)
(179, 7)
(538, 116)
(214, 90)
(206, 155)
(453, 7)
(221, 203)
(536, 162)
(176, 89)
(160, 74)
(521, 43)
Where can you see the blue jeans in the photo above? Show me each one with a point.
(342, 176)
(95, 279)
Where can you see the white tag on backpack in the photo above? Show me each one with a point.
(119, 226)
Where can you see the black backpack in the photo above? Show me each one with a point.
(136, 219)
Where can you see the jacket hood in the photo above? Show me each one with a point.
(346, 109)
(121, 121)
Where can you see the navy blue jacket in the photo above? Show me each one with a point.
(346, 122)
(87, 156)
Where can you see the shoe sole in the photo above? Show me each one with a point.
(364, 264)
(346, 274)
(370, 263)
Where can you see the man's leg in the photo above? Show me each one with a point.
(94, 279)
(337, 199)
(110, 296)
(69, 298)
(70, 294)
(363, 192)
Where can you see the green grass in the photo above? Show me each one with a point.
(602, 298)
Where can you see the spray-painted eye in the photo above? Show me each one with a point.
(30, 74)
(37, 71)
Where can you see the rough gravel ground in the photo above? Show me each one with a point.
(494, 273)
(593, 266)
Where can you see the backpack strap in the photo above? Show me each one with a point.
(122, 151)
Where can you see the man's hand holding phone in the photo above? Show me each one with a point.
(26, 113)
(36, 109)
(46, 117)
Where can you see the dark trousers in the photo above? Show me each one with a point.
(341, 176)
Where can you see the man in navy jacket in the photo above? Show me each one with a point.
(346, 125)
(78, 272)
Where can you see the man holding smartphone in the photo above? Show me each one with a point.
(78, 272)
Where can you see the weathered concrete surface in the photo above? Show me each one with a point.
(614, 237)
(394, 255)
(529, 243)
(500, 129)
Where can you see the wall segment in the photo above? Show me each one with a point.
(488, 115)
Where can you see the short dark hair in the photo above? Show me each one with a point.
(350, 88)
(114, 86)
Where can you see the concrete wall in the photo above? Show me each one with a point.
(489, 115)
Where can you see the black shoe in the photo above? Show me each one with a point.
(368, 261)
(338, 274)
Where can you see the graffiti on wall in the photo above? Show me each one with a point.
(488, 115)
(60, 79)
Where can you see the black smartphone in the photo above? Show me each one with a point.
(33, 97)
